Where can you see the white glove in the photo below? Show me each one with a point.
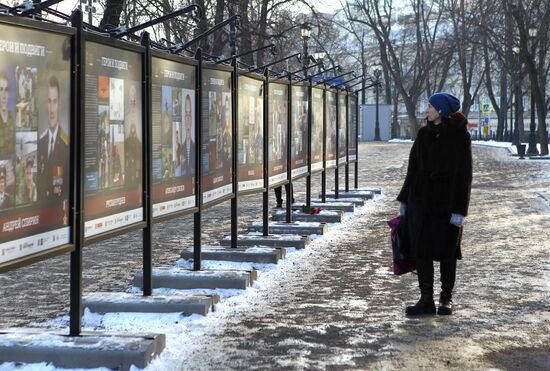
(402, 208)
(457, 220)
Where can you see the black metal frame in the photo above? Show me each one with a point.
(258, 78)
(287, 84)
(339, 164)
(309, 124)
(70, 247)
(215, 67)
(329, 89)
(235, 160)
(352, 98)
(357, 120)
(312, 88)
(197, 216)
(145, 225)
(337, 156)
(265, 194)
(303, 85)
(147, 160)
(290, 194)
(324, 172)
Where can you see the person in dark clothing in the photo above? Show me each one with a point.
(279, 194)
(434, 199)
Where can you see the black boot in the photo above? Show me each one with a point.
(445, 305)
(448, 276)
(424, 306)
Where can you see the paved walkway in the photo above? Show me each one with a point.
(345, 309)
(342, 308)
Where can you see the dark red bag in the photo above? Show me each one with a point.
(402, 263)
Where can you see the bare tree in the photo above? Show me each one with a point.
(408, 49)
(528, 14)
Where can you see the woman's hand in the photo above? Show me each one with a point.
(457, 220)
(402, 208)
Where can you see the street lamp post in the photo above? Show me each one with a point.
(306, 33)
(532, 149)
(377, 73)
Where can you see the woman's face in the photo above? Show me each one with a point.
(432, 114)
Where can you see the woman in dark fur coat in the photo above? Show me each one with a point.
(435, 197)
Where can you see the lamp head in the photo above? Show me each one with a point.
(305, 30)
(319, 55)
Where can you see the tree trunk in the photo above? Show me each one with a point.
(542, 132)
(262, 33)
(111, 15)
(245, 34)
(218, 36)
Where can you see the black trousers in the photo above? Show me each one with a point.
(425, 270)
(279, 193)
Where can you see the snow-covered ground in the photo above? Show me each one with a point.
(183, 332)
(488, 143)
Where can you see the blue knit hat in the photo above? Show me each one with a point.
(445, 103)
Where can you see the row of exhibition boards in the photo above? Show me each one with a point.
(100, 136)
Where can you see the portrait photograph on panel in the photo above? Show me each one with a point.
(317, 133)
(217, 137)
(173, 120)
(250, 145)
(112, 139)
(35, 113)
(277, 121)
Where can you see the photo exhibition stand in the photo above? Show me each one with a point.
(101, 67)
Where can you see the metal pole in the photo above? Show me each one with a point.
(147, 167)
(235, 199)
(197, 227)
(356, 139)
(265, 196)
(234, 92)
(289, 190)
(347, 143)
(309, 123)
(77, 159)
(377, 122)
(324, 172)
(336, 173)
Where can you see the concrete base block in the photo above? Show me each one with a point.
(356, 201)
(322, 217)
(366, 195)
(90, 350)
(299, 228)
(273, 240)
(347, 207)
(258, 254)
(179, 278)
(188, 304)
(375, 190)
